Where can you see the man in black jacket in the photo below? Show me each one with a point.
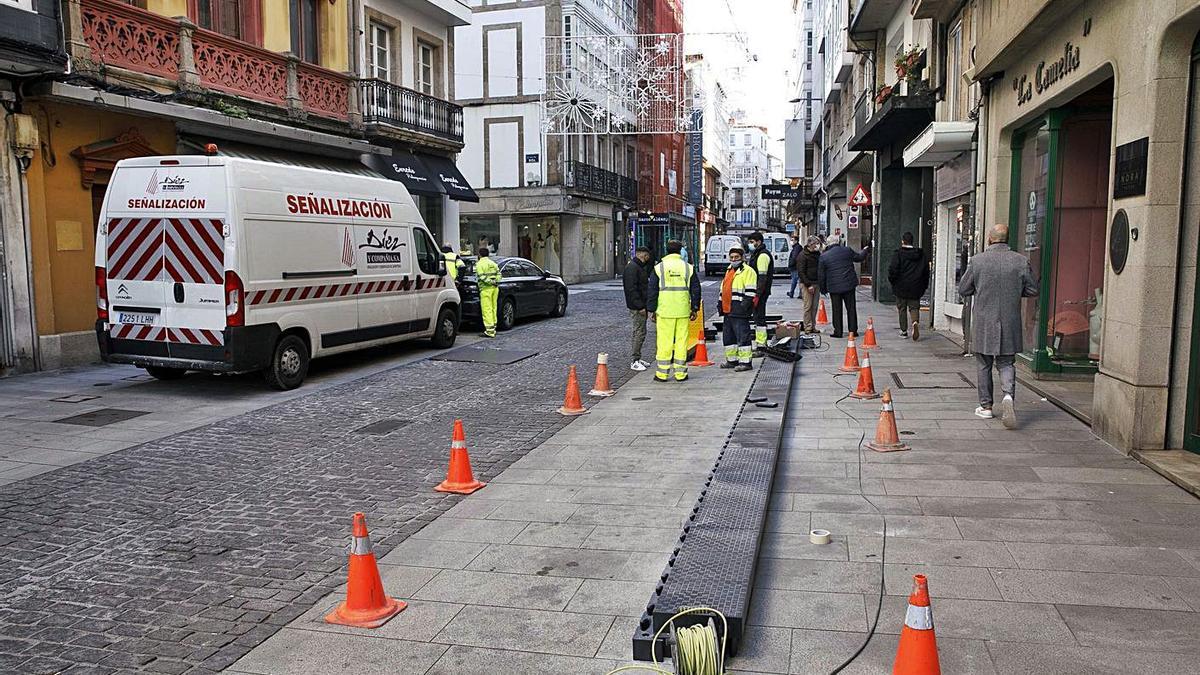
(637, 278)
(764, 265)
(837, 277)
(793, 263)
(909, 274)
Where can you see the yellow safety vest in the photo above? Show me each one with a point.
(452, 264)
(487, 272)
(674, 280)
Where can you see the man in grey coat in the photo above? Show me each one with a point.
(997, 278)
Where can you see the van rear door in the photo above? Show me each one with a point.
(164, 239)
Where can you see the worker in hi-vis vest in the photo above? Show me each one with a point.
(764, 267)
(487, 276)
(454, 264)
(738, 290)
(673, 300)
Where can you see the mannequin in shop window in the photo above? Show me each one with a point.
(552, 262)
(539, 252)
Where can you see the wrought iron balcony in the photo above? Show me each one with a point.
(122, 36)
(593, 180)
(390, 104)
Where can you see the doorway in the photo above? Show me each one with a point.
(1058, 218)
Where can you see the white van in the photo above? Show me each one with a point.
(780, 245)
(234, 265)
(716, 252)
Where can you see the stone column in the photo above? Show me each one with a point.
(295, 104)
(189, 79)
(508, 235)
(450, 222)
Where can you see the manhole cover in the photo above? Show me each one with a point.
(498, 357)
(102, 417)
(74, 398)
(382, 427)
(951, 380)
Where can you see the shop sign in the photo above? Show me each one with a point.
(653, 219)
(1118, 241)
(781, 191)
(1130, 179)
(1032, 240)
(696, 158)
(534, 204)
(1046, 75)
(532, 158)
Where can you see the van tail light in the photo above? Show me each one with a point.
(101, 294)
(235, 300)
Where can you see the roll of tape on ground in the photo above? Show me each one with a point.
(820, 537)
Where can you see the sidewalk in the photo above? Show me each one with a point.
(547, 568)
(1046, 549)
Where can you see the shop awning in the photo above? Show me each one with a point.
(405, 167)
(455, 186)
(939, 143)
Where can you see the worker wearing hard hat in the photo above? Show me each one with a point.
(738, 290)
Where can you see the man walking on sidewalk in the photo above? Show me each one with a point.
(764, 267)
(909, 274)
(998, 278)
(738, 291)
(837, 277)
(810, 258)
(636, 279)
(674, 300)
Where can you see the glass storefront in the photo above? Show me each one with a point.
(593, 258)
(539, 238)
(477, 231)
(1034, 167)
(430, 209)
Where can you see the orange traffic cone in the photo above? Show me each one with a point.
(869, 339)
(701, 358)
(459, 478)
(602, 387)
(822, 317)
(571, 403)
(366, 605)
(917, 653)
(866, 381)
(886, 438)
(850, 362)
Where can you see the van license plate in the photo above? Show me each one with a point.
(147, 319)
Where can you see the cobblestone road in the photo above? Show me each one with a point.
(182, 554)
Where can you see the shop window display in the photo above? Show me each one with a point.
(539, 240)
(477, 231)
(594, 254)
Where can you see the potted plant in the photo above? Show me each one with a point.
(908, 63)
(885, 92)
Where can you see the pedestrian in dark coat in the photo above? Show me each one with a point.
(806, 269)
(636, 279)
(837, 276)
(997, 279)
(794, 256)
(909, 275)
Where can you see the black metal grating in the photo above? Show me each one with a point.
(499, 357)
(102, 417)
(714, 563)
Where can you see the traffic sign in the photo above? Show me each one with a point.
(852, 221)
(860, 196)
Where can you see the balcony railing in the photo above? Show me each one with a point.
(391, 104)
(126, 37)
(600, 182)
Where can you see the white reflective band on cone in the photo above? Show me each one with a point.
(602, 359)
(458, 445)
(360, 546)
(919, 618)
(887, 407)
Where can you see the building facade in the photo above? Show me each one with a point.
(711, 104)
(31, 48)
(561, 200)
(405, 54)
(749, 169)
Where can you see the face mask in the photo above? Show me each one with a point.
(736, 264)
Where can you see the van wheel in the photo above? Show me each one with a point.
(508, 314)
(560, 305)
(289, 365)
(164, 373)
(446, 330)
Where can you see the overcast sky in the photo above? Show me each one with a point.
(766, 29)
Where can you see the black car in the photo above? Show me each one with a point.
(525, 290)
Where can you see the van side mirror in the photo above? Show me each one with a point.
(441, 267)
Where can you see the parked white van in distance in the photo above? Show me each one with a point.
(780, 245)
(716, 252)
(234, 265)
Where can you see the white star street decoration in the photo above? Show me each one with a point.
(615, 84)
